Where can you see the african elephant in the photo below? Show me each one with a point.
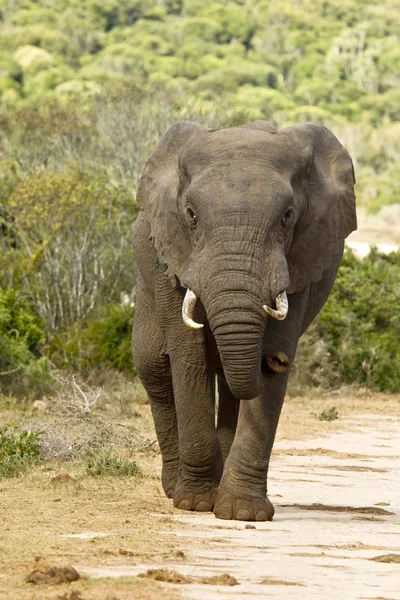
(238, 243)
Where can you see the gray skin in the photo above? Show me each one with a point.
(236, 215)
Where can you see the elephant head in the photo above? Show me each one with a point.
(241, 217)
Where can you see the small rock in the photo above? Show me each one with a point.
(223, 579)
(166, 575)
(52, 575)
(124, 552)
(73, 595)
(273, 581)
(250, 526)
(387, 558)
(63, 478)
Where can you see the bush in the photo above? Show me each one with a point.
(21, 339)
(104, 340)
(87, 89)
(71, 244)
(33, 59)
(356, 338)
(18, 450)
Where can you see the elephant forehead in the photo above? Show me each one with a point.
(233, 148)
(237, 182)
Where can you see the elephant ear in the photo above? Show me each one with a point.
(325, 178)
(158, 194)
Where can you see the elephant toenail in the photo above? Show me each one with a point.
(244, 515)
(185, 504)
(224, 515)
(203, 506)
(262, 516)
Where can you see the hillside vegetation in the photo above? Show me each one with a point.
(330, 61)
(86, 90)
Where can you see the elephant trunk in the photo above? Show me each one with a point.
(239, 346)
(239, 280)
(237, 320)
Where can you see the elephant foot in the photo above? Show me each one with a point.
(200, 502)
(243, 509)
(169, 477)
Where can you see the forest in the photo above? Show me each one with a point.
(87, 89)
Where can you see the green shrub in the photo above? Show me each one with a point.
(104, 464)
(72, 243)
(21, 333)
(101, 341)
(18, 450)
(23, 367)
(356, 338)
(86, 90)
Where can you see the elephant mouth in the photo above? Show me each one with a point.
(189, 306)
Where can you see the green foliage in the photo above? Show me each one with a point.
(22, 336)
(32, 59)
(335, 63)
(18, 450)
(104, 464)
(110, 334)
(69, 240)
(86, 90)
(21, 331)
(103, 340)
(356, 338)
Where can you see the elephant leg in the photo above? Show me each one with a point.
(193, 379)
(154, 370)
(200, 453)
(243, 488)
(228, 411)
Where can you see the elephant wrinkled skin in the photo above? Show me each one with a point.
(233, 219)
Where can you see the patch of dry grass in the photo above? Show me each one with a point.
(43, 519)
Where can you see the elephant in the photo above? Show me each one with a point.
(238, 242)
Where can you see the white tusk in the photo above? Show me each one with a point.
(282, 307)
(188, 307)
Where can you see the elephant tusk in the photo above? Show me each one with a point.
(282, 307)
(188, 307)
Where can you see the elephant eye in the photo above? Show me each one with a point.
(286, 218)
(191, 216)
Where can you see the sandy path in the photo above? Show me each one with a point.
(319, 552)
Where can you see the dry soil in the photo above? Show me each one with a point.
(335, 535)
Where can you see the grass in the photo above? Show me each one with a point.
(102, 463)
(18, 449)
(329, 414)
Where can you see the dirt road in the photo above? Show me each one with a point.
(336, 533)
